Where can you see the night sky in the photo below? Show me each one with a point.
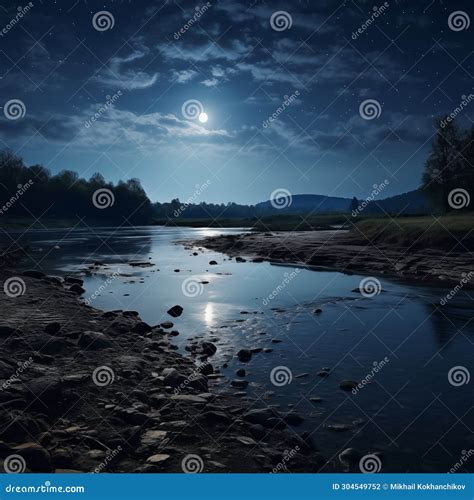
(141, 61)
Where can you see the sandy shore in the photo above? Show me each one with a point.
(334, 250)
(84, 390)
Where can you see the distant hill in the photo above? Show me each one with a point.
(411, 203)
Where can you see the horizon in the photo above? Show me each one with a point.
(255, 99)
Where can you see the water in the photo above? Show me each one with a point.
(409, 411)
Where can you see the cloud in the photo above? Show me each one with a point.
(205, 52)
(116, 76)
(184, 75)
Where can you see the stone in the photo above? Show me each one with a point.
(77, 289)
(172, 377)
(141, 328)
(159, 458)
(52, 328)
(189, 398)
(213, 263)
(293, 418)
(318, 311)
(348, 385)
(153, 437)
(208, 348)
(241, 372)
(6, 331)
(258, 416)
(94, 340)
(244, 355)
(167, 324)
(217, 417)
(73, 281)
(175, 311)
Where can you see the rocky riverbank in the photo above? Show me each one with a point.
(335, 250)
(83, 390)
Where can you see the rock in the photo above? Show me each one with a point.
(350, 455)
(109, 314)
(239, 384)
(159, 458)
(174, 333)
(293, 418)
(167, 324)
(208, 348)
(175, 311)
(130, 314)
(77, 289)
(141, 328)
(240, 259)
(339, 427)
(36, 457)
(94, 340)
(189, 398)
(6, 330)
(323, 373)
(217, 417)
(34, 274)
(258, 416)
(315, 400)
(153, 437)
(213, 263)
(241, 372)
(257, 431)
(244, 355)
(46, 389)
(172, 377)
(302, 375)
(248, 441)
(348, 385)
(52, 328)
(318, 311)
(206, 369)
(276, 341)
(73, 281)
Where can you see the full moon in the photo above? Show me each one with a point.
(203, 117)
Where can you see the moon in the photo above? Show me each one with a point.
(203, 117)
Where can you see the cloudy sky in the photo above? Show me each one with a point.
(323, 97)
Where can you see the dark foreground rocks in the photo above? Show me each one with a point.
(84, 390)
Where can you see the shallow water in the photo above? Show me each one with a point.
(410, 412)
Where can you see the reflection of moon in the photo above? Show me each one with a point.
(203, 117)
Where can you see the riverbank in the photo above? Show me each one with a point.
(92, 391)
(340, 251)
